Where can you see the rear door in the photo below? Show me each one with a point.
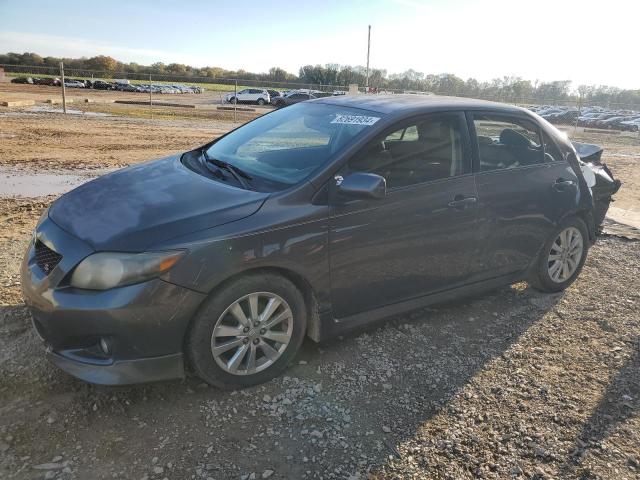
(417, 240)
(524, 188)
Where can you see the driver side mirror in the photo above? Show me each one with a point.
(363, 186)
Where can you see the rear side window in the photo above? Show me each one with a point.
(431, 148)
(507, 142)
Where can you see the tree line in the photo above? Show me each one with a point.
(507, 88)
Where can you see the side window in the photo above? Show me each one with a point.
(506, 142)
(408, 134)
(428, 149)
(551, 150)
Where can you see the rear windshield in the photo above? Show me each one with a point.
(284, 147)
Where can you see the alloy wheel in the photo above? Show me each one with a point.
(565, 254)
(252, 333)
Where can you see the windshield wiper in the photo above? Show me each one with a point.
(236, 172)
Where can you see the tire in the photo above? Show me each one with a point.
(261, 101)
(215, 319)
(542, 277)
(233, 100)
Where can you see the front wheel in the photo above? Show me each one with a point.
(562, 257)
(248, 332)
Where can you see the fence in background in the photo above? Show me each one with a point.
(209, 83)
(220, 86)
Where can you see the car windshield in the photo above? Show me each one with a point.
(284, 147)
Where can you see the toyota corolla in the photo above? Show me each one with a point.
(308, 221)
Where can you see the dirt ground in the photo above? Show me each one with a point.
(513, 384)
(43, 141)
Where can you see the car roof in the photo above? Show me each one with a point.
(407, 104)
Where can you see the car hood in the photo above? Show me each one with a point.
(136, 207)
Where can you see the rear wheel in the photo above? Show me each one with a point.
(261, 101)
(561, 259)
(248, 332)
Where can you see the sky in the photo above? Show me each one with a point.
(587, 41)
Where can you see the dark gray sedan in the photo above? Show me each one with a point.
(291, 99)
(308, 221)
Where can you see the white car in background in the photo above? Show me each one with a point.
(74, 84)
(249, 95)
(632, 125)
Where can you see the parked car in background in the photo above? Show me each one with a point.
(102, 85)
(594, 121)
(292, 98)
(126, 87)
(51, 81)
(24, 80)
(562, 117)
(309, 221)
(273, 94)
(590, 117)
(249, 95)
(613, 122)
(632, 125)
(73, 84)
(600, 122)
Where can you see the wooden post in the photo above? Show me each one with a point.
(368, 50)
(235, 99)
(64, 98)
(150, 101)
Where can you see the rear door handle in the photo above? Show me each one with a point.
(460, 202)
(561, 184)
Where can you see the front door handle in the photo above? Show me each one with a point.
(461, 202)
(560, 185)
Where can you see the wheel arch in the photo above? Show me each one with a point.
(298, 280)
(587, 217)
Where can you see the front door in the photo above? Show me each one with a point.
(417, 240)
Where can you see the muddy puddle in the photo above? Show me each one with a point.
(17, 183)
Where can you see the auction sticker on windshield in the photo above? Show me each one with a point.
(355, 120)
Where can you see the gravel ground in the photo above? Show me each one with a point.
(514, 384)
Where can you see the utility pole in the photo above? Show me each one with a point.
(368, 50)
(64, 98)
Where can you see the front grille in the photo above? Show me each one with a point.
(46, 258)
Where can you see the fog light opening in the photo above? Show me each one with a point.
(105, 346)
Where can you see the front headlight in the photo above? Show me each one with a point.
(105, 270)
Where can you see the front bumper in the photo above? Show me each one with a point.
(143, 325)
(122, 372)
